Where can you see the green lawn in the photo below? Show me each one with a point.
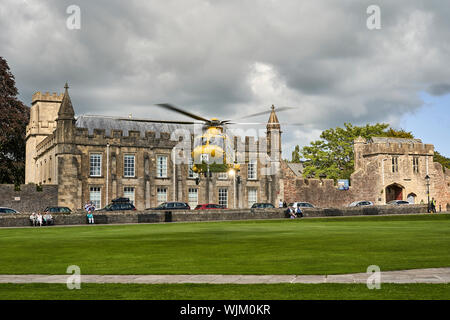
(224, 292)
(302, 246)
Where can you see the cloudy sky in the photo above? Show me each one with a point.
(227, 58)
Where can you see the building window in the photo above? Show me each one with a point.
(252, 170)
(191, 173)
(394, 164)
(415, 164)
(95, 165)
(161, 167)
(128, 192)
(193, 197)
(128, 165)
(252, 196)
(222, 175)
(223, 197)
(95, 196)
(161, 195)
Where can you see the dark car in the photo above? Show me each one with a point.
(64, 210)
(398, 202)
(119, 204)
(208, 206)
(262, 206)
(8, 210)
(172, 206)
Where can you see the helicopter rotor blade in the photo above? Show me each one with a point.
(184, 112)
(159, 121)
(267, 112)
(264, 123)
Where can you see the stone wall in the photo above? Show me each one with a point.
(208, 215)
(28, 199)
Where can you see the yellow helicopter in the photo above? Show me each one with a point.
(213, 151)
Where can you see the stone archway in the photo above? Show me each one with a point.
(394, 192)
(411, 198)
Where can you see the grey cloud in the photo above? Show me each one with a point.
(439, 89)
(201, 55)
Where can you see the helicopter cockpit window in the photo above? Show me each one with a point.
(217, 141)
(200, 141)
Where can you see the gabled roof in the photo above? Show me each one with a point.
(297, 168)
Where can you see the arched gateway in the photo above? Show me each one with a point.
(394, 192)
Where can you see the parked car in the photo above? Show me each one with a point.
(260, 205)
(301, 205)
(398, 202)
(361, 203)
(208, 206)
(172, 206)
(119, 204)
(8, 211)
(64, 210)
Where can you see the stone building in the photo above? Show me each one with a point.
(385, 169)
(100, 158)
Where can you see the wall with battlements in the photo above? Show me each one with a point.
(384, 170)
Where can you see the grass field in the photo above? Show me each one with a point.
(303, 246)
(225, 292)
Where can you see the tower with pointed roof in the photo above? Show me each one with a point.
(274, 136)
(68, 156)
(273, 133)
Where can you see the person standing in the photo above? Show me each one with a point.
(433, 205)
(280, 204)
(90, 217)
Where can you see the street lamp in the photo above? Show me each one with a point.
(427, 178)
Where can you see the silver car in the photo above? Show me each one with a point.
(361, 203)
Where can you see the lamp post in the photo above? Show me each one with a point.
(427, 178)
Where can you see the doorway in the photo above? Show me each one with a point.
(394, 192)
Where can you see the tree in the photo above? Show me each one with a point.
(332, 156)
(14, 117)
(442, 160)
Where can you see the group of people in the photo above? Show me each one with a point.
(291, 211)
(294, 212)
(89, 207)
(38, 219)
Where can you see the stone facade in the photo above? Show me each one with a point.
(62, 149)
(28, 198)
(385, 169)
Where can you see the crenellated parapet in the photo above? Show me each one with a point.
(46, 97)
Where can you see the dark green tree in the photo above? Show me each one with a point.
(14, 117)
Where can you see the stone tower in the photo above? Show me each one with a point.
(274, 136)
(68, 156)
(43, 114)
(275, 185)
